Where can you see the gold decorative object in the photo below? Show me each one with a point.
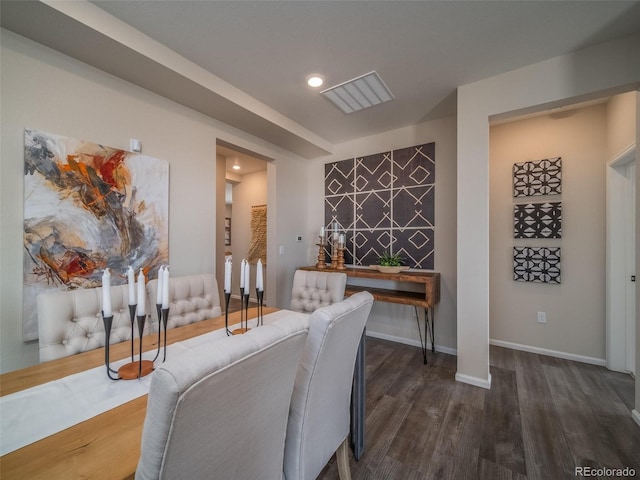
(321, 254)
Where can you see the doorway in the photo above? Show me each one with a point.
(245, 186)
(621, 252)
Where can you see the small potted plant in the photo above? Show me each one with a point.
(388, 263)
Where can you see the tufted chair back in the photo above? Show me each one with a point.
(192, 298)
(220, 411)
(312, 290)
(319, 414)
(70, 321)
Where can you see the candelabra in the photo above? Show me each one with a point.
(244, 313)
(133, 369)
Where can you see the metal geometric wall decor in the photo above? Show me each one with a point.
(536, 264)
(384, 202)
(537, 220)
(541, 177)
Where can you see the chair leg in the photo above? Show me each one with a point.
(344, 472)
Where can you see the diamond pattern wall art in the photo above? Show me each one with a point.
(537, 220)
(540, 177)
(536, 264)
(384, 203)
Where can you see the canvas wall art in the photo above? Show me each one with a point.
(87, 207)
(540, 177)
(537, 220)
(536, 264)
(384, 203)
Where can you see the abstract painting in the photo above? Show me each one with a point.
(87, 207)
(384, 203)
(537, 220)
(536, 264)
(540, 177)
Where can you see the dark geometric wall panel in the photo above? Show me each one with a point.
(384, 203)
(339, 177)
(536, 264)
(413, 207)
(537, 220)
(541, 177)
(373, 172)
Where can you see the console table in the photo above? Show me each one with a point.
(427, 299)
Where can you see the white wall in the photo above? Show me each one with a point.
(45, 90)
(575, 309)
(610, 67)
(388, 320)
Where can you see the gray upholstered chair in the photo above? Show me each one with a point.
(319, 416)
(192, 298)
(220, 411)
(70, 321)
(312, 290)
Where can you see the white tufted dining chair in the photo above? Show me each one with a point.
(319, 413)
(312, 290)
(220, 411)
(70, 321)
(192, 298)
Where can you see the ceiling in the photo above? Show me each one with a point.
(245, 62)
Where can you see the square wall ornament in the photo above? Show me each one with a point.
(540, 177)
(536, 264)
(537, 220)
(384, 203)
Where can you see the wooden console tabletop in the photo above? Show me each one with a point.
(428, 299)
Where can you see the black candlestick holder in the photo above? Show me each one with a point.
(132, 314)
(108, 321)
(260, 297)
(227, 297)
(244, 313)
(159, 317)
(165, 320)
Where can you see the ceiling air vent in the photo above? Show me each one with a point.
(359, 93)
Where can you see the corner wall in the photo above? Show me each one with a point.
(387, 320)
(575, 309)
(606, 68)
(43, 89)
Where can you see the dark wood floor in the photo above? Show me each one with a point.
(542, 417)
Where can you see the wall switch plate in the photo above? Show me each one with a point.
(135, 145)
(542, 317)
(281, 250)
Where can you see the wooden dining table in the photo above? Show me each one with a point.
(106, 446)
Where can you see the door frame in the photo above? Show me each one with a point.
(616, 258)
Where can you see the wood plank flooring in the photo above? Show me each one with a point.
(542, 418)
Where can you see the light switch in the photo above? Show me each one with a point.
(135, 145)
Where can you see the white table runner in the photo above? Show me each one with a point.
(35, 413)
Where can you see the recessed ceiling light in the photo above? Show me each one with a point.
(315, 80)
(236, 165)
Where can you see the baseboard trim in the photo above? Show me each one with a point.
(475, 381)
(409, 341)
(601, 362)
(635, 414)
